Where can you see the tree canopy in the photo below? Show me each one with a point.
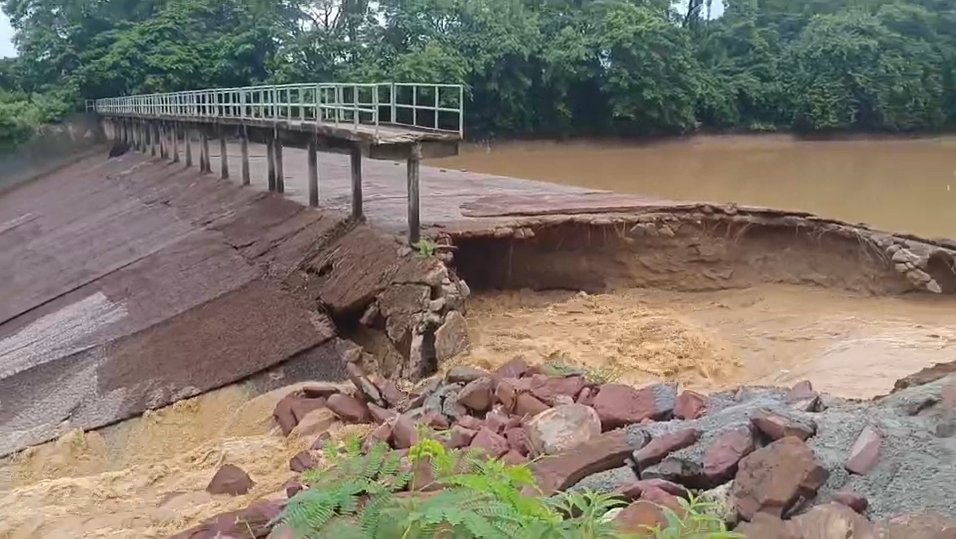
(531, 67)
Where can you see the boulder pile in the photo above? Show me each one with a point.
(774, 462)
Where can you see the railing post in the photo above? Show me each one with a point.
(356, 161)
(415, 105)
(394, 98)
(414, 195)
(313, 173)
(355, 106)
(338, 103)
(461, 111)
(315, 96)
(244, 149)
(375, 106)
(436, 107)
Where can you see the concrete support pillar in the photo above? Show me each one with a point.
(175, 132)
(223, 155)
(205, 163)
(137, 135)
(356, 158)
(202, 154)
(313, 174)
(161, 127)
(414, 195)
(244, 148)
(271, 161)
(151, 138)
(188, 141)
(280, 168)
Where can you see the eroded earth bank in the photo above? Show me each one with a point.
(609, 343)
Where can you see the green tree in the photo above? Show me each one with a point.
(649, 71)
(851, 71)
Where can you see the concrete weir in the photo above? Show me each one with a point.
(131, 283)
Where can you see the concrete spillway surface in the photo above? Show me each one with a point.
(127, 286)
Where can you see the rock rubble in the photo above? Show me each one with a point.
(774, 462)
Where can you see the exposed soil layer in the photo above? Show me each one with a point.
(695, 248)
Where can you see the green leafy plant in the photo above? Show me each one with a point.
(698, 521)
(426, 248)
(335, 493)
(465, 497)
(588, 510)
(599, 375)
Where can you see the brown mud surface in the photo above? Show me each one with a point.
(847, 344)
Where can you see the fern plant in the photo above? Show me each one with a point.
(357, 496)
(335, 493)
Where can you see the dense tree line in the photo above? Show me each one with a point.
(532, 67)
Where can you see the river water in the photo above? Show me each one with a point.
(902, 185)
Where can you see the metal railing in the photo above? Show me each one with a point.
(432, 107)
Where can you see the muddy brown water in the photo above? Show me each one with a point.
(902, 185)
(853, 345)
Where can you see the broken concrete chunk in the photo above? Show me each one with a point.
(659, 447)
(516, 368)
(777, 426)
(865, 451)
(772, 479)
(464, 374)
(561, 428)
(451, 338)
(851, 499)
(620, 405)
(832, 520)
(349, 409)
(230, 479)
(604, 452)
(690, 405)
(476, 395)
(491, 443)
(315, 423)
(722, 457)
(301, 462)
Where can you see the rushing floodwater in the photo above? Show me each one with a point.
(904, 185)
